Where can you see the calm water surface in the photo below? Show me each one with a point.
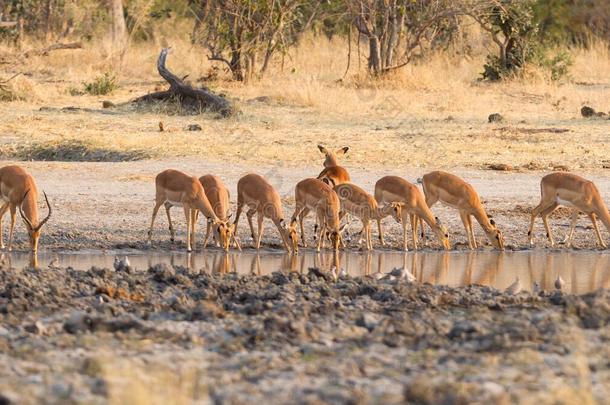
(582, 271)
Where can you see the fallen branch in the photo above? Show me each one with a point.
(54, 47)
(196, 99)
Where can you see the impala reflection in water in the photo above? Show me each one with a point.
(581, 271)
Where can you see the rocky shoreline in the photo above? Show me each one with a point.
(101, 336)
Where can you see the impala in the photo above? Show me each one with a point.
(18, 189)
(456, 193)
(174, 188)
(333, 174)
(359, 203)
(571, 191)
(315, 195)
(262, 199)
(394, 189)
(218, 196)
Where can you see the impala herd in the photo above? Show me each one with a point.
(331, 196)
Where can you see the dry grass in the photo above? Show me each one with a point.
(433, 113)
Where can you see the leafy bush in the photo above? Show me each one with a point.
(514, 28)
(105, 84)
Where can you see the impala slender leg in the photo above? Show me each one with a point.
(260, 219)
(193, 227)
(249, 214)
(545, 215)
(187, 214)
(13, 209)
(2, 212)
(404, 236)
(474, 239)
(320, 232)
(158, 205)
(380, 232)
(570, 234)
(207, 234)
(169, 221)
(302, 216)
(593, 218)
(413, 219)
(530, 232)
(240, 206)
(464, 218)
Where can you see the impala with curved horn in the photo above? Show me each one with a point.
(18, 189)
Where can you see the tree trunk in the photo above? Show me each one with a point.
(48, 15)
(119, 28)
(374, 55)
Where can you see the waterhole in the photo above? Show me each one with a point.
(581, 271)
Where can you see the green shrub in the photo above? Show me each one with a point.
(105, 84)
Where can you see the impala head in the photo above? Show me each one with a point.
(394, 209)
(225, 231)
(291, 234)
(442, 234)
(33, 229)
(397, 211)
(495, 235)
(331, 157)
(336, 237)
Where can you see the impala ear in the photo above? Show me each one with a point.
(342, 151)
(322, 149)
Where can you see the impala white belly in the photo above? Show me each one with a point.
(565, 203)
(445, 203)
(175, 203)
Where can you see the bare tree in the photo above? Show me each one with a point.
(398, 30)
(119, 28)
(244, 35)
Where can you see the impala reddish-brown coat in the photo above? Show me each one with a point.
(255, 192)
(571, 191)
(174, 188)
(18, 191)
(390, 189)
(456, 193)
(362, 205)
(333, 174)
(218, 196)
(315, 195)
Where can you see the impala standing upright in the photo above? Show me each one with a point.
(571, 191)
(456, 193)
(333, 174)
(18, 189)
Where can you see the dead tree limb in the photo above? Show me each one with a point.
(54, 47)
(194, 98)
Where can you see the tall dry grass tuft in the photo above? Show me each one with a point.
(20, 88)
